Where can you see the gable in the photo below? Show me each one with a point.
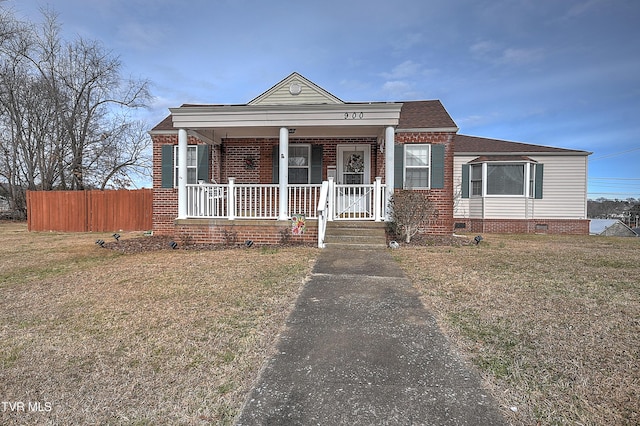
(295, 90)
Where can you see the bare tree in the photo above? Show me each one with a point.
(65, 112)
(85, 83)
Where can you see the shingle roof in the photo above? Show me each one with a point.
(497, 158)
(166, 124)
(424, 115)
(413, 115)
(433, 115)
(478, 145)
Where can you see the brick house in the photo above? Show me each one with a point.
(297, 157)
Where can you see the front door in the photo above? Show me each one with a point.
(353, 173)
(354, 162)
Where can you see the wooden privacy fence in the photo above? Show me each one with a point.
(90, 211)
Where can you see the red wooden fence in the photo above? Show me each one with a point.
(90, 211)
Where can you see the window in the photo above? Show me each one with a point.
(198, 164)
(416, 166)
(476, 179)
(304, 163)
(192, 164)
(524, 179)
(505, 179)
(532, 179)
(299, 163)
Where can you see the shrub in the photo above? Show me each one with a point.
(409, 211)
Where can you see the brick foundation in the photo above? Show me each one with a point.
(523, 226)
(261, 232)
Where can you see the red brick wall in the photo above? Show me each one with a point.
(261, 232)
(165, 200)
(442, 198)
(525, 226)
(230, 162)
(235, 151)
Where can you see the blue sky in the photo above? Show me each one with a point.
(562, 73)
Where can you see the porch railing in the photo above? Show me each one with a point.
(249, 201)
(360, 202)
(326, 202)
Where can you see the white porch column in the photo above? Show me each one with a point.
(389, 165)
(283, 176)
(182, 173)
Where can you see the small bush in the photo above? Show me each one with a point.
(410, 210)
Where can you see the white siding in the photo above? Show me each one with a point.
(505, 208)
(295, 90)
(476, 206)
(461, 206)
(564, 189)
(307, 95)
(564, 192)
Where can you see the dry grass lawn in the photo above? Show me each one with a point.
(553, 322)
(95, 336)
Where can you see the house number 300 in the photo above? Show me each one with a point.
(353, 115)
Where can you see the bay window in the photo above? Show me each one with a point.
(505, 179)
(515, 179)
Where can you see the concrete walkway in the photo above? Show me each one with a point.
(361, 349)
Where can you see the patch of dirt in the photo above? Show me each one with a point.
(162, 242)
(142, 244)
(419, 240)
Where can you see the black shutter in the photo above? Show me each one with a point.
(275, 164)
(398, 167)
(203, 162)
(167, 166)
(316, 164)
(437, 166)
(538, 182)
(465, 180)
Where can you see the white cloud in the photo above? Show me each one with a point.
(496, 54)
(406, 69)
(140, 36)
(483, 48)
(521, 56)
(582, 7)
(399, 90)
(408, 41)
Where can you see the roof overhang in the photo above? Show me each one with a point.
(504, 158)
(277, 116)
(529, 153)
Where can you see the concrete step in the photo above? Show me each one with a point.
(355, 234)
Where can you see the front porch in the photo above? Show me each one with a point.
(255, 207)
(289, 161)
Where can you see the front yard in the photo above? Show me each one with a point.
(553, 322)
(92, 335)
